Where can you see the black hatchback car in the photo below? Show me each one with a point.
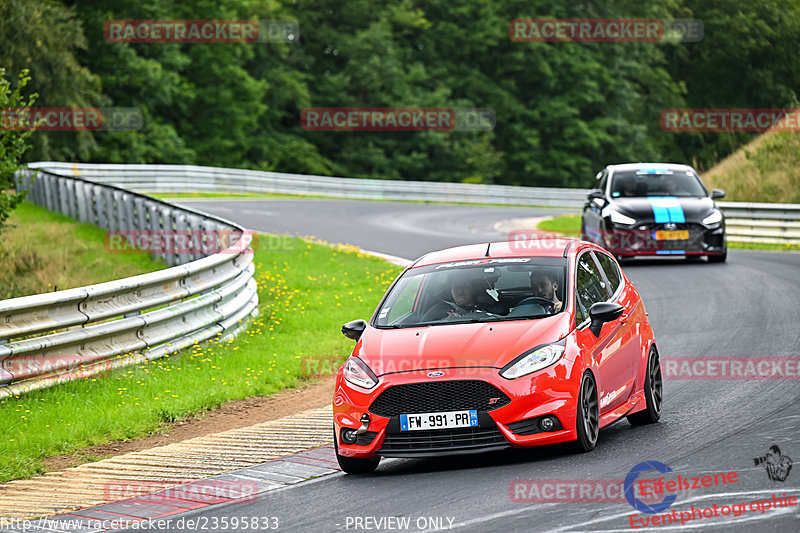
(653, 209)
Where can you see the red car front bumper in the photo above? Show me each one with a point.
(521, 403)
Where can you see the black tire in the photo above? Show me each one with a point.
(718, 258)
(354, 465)
(587, 419)
(653, 393)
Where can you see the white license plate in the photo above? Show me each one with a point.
(446, 420)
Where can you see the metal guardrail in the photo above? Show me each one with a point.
(762, 223)
(180, 178)
(49, 338)
(746, 222)
(65, 335)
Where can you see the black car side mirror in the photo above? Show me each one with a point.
(354, 329)
(716, 194)
(603, 312)
(596, 194)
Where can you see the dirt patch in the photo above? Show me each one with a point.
(232, 415)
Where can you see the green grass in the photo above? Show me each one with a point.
(765, 170)
(764, 246)
(41, 251)
(571, 225)
(306, 292)
(565, 224)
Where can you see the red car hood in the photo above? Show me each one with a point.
(493, 344)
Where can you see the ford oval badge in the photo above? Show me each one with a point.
(436, 374)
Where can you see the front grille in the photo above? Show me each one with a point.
(437, 396)
(410, 443)
(642, 239)
(696, 231)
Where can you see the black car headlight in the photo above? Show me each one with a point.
(535, 359)
(618, 218)
(714, 218)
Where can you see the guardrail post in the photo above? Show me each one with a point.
(126, 212)
(154, 228)
(170, 227)
(182, 238)
(105, 208)
(198, 237)
(82, 196)
(47, 184)
(62, 196)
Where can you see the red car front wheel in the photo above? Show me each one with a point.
(354, 465)
(587, 421)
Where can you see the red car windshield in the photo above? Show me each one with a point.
(481, 290)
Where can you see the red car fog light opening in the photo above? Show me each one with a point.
(547, 423)
(350, 435)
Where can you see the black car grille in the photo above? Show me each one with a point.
(437, 396)
(694, 242)
(642, 238)
(410, 443)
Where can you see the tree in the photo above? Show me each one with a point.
(44, 36)
(12, 140)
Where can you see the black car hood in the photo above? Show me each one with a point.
(641, 208)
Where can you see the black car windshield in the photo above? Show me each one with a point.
(481, 290)
(656, 182)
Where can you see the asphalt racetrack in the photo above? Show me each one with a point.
(747, 307)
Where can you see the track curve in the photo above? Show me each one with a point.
(746, 307)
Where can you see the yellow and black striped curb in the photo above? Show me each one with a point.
(156, 469)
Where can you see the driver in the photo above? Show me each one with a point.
(544, 285)
(628, 187)
(466, 293)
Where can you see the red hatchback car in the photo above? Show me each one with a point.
(496, 345)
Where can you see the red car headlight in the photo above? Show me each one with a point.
(358, 373)
(533, 360)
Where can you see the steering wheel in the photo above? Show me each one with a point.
(544, 302)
